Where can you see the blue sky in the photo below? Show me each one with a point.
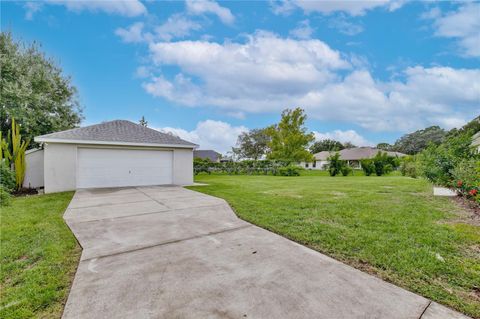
(365, 72)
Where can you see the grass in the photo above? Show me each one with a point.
(389, 226)
(39, 256)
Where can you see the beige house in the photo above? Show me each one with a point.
(351, 155)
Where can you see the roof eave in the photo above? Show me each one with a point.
(40, 139)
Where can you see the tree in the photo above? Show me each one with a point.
(419, 140)
(34, 91)
(326, 145)
(384, 146)
(143, 122)
(349, 145)
(252, 144)
(289, 138)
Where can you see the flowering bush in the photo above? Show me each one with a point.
(467, 178)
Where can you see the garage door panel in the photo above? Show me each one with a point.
(123, 167)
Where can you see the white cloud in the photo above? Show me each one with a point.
(343, 136)
(132, 34)
(234, 74)
(199, 7)
(303, 30)
(127, 8)
(267, 74)
(31, 8)
(344, 26)
(351, 7)
(216, 135)
(176, 26)
(462, 24)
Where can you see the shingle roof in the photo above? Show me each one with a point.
(210, 154)
(356, 153)
(121, 131)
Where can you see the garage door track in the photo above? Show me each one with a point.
(169, 252)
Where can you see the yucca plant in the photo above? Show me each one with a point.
(19, 147)
(13, 153)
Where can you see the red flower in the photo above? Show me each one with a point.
(459, 184)
(473, 192)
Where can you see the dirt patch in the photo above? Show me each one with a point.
(338, 194)
(469, 205)
(25, 192)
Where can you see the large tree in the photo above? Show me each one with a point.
(289, 138)
(417, 141)
(326, 145)
(34, 91)
(384, 146)
(252, 144)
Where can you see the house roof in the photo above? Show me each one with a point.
(210, 154)
(118, 132)
(356, 153)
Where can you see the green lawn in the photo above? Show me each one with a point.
(39, 256)
(389, 226)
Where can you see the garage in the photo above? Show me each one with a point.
(123, 167)
(114, 154)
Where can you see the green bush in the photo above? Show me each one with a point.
(437, 163)
(5, 197)
(7, 178)
(346, 170)
(408, 166)
(335, 164)
(467, 177)
(290, 170)
(367, 166)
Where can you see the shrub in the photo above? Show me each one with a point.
(5, 197)
(467, 178)
(7, 178)
(346, 170)
(335, 164)
(367, 166)
(384, 164)
(437, 163)
(290, 170)
(408, 166)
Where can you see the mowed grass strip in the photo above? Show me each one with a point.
(389, 226)
(39, 257)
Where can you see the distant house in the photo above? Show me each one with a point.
(476, 141)
(351, 155)
(210, 154)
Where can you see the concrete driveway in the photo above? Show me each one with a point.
(168, 252)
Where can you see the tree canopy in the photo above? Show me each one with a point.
(34, 91)
(252, 144)
(289, 138)
(419, 140)
(326, 145)
(384, 146)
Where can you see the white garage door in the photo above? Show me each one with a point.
(123, 167)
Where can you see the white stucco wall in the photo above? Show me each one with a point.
(34, 169)
(183, 166)
(319, 165)
(60, 167)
